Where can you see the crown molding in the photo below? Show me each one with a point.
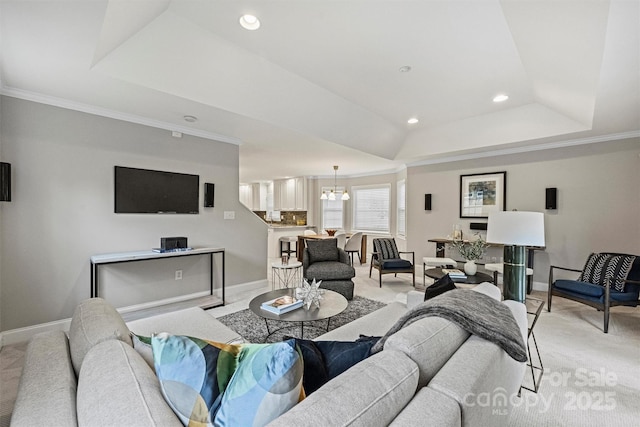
(112, 114)
(529, 148)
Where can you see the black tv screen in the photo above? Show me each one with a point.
(150, 191)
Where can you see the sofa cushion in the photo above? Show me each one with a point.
(117, 388)
(429, 342)
(343, 287)
(94, 321)
(323, 250)
(332, 270)
(47, 391)
(442, 410)
(584, 288)
(193, 322)
(614, 266)
(267, 383)
(193, 374)
(370, 393)
(396, 263)
(375, 324)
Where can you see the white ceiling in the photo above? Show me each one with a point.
(319, 83)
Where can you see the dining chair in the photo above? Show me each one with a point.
(354, 245)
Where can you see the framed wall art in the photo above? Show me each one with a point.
(482, 193)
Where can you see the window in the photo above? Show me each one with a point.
(402, 211)
(332, 212)
(371, 208)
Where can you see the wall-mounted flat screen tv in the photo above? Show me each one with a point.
(150, 191)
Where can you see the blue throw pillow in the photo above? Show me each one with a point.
(440, 286)
(325, 360)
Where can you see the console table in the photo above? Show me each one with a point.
(121, 257)
(440, 251)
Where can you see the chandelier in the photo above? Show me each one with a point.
(332, 193)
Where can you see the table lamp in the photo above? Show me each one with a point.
(515, 230)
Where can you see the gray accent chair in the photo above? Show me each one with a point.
(324, 260)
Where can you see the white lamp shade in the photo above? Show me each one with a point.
(516, 228)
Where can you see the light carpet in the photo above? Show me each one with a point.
(253, 328)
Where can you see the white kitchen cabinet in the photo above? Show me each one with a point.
(301, 194)
(246, 196)
(250, 196)
(290, 194)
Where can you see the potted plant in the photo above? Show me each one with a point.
(471, 251)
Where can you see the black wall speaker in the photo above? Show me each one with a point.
(551, 198)
(5, 182)
(209, 190)
(427, 202)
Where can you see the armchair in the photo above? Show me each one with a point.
(324, 260)
(386, 259)
(607, 280)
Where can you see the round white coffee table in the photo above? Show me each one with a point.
(286, 275)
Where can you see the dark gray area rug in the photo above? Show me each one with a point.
(253, 329)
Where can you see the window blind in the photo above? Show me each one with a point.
(371, 209)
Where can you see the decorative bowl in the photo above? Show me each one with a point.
(330, 231)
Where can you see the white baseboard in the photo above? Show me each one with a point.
(14, 336)
(246, 287)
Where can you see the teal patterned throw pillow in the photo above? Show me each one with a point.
(266, 384)
(193, 375)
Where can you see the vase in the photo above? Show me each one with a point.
(470, 268)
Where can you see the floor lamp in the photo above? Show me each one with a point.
(515, 230)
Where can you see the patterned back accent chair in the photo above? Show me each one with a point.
(386, 259)
(607, 280)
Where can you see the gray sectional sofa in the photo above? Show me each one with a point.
(429, 373)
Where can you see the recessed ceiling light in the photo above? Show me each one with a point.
(405, 69)
(190, 119)
(413, 120)
(500, 98)
(249, 22)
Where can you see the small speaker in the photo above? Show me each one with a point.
(172, 243)
(5, 182)
(551, 198)
(478, 226)
(427, 202)
(209, 190)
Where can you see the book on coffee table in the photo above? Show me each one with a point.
(282, 304)
(454, 273)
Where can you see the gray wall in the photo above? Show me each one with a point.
(598, 200)
(62, 213)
